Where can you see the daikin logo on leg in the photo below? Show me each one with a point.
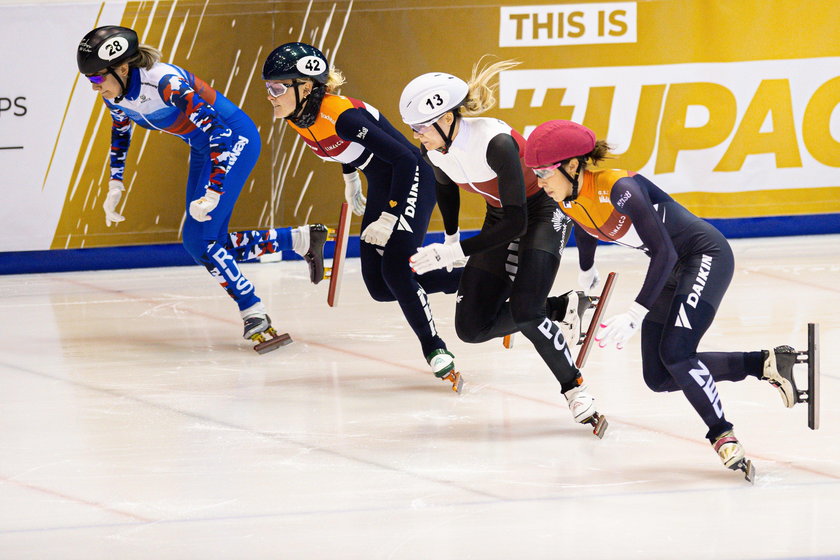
(682, 318)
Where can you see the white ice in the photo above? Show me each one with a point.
(135, 423)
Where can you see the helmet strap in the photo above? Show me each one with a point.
(573, 181)
(447, 138)
(306, 109)
(123, 85)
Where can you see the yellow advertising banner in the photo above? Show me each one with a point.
(730, 106)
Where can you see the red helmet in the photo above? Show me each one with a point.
(556, 141)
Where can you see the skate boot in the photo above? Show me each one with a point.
(256, 324)
(258, 329)
(582, 406)
(568, 310)
(442, 362)
(314, 255)
(778, 370)
(731, 453)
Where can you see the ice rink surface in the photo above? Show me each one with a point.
(136, 423)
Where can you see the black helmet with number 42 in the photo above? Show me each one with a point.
(294, 61)
(105, 47)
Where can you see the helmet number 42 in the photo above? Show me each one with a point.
(311, 65)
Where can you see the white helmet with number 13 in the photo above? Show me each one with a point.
(428, 97)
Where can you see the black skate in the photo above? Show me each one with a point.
(314, 257)
(568, 310)
(731, 453)
(258, 329)
(778, 370)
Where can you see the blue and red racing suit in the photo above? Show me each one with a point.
(224, 147)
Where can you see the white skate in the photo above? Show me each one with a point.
(581, 403)
(781, 379)
(582, 406)
(731, 453)
(442, 362)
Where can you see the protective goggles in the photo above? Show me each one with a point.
(276, 89)
(422, 128)
(97, 78)
(546, 172)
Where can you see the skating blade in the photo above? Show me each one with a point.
(274, 343)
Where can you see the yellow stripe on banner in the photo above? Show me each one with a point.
(66, 110)
(753, 204)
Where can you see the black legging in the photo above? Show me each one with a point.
(680, 317)
(386, 271)
(504, 290)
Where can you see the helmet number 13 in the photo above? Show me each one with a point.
(434, 101)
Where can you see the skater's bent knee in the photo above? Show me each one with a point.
(381, 295)
(471, 334)
(659, 380)
(662, 386)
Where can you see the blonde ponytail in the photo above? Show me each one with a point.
(482, 95)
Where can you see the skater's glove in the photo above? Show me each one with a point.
(455, 239)
(353, 193)
(619, 328)
(200, 208)
(588, 280)
(379, 232)
(115, 190)
(435, 256)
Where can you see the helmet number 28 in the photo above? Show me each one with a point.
(113, 48)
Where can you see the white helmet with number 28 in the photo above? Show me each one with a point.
(429, 96)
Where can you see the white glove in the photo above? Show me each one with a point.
(201, 207)
(353, 193)
(588, 280)
(435, 256)
(115, 190)
(455, 238)
(379, 232)
(619, 328)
